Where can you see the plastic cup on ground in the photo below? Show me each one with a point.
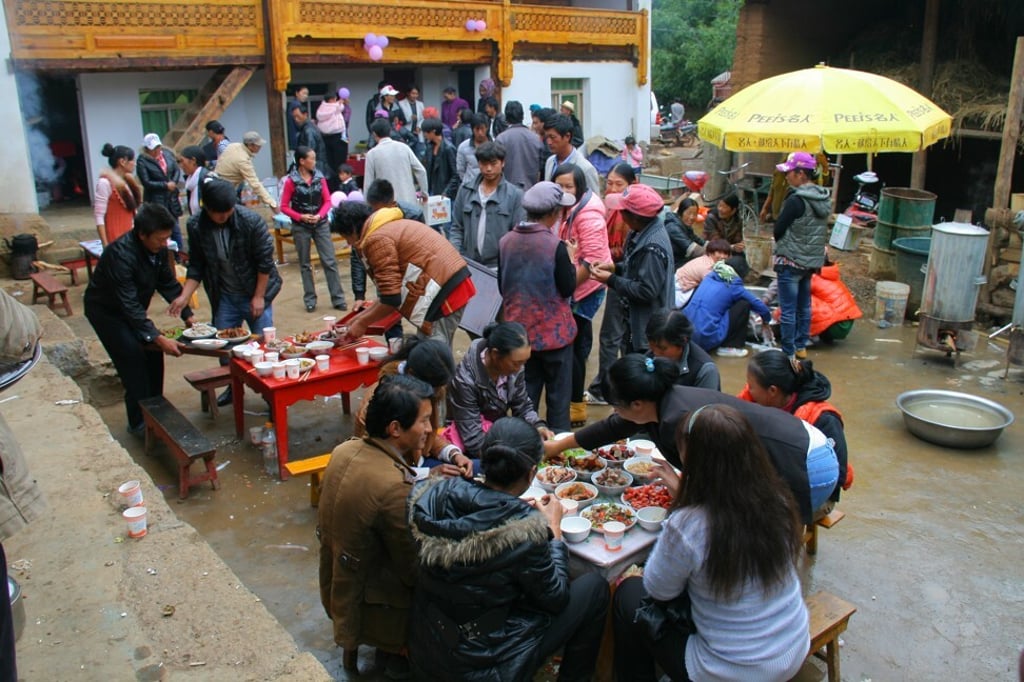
(131, 493)
(280, 372)
(256, 435)
(570, 507)
(292, 368)
(329, 321)
(323, 362)
(269, 334)
(363, 356)
(271, 356)
(136, 519)
(613, 532)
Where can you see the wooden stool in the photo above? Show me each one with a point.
(829, 616)
(164, 422)
(811, 531)
(45, 284)
(314, 466)
(73, 265)
(207, 381)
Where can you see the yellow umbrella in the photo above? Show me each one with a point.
(840, 111)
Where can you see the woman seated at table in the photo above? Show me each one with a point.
(431, 361)
(645, 396)
(669, 336)
(493, 596)
(773, 380)
(730, 557)
(720, 311)
(489, 384)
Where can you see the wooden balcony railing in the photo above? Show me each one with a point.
(108, 34)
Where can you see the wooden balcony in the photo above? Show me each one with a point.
(80, 35)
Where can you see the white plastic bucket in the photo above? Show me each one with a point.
(891, 302)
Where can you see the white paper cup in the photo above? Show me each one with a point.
(248, 356)
(329, 321)
(257, 356)
(280, 371)
(323, 362)
(570, 507)
(271, 356)
(269, 334)
(613, 532)
(363, 356)
(131, 493)
(256, 435)
(136, 519)
(291, 368)
(395, 345)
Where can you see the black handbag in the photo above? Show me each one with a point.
(660, 618)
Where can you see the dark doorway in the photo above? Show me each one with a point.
(467, 86)
(54, 134)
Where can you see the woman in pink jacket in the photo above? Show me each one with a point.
(583, 224)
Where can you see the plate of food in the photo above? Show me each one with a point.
(650, 495)
(277, 345)
(292, 351)
(304, 337)
(551, 477)
(584, 493)
(173, 333)
(600, 514)
(209, 344)
(306, 364)
(234, 334)
(199, 331)
(586, 465)
(612, 481)
(641, 468)
(615, 454)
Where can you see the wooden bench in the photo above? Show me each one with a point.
(45, 284)
(829, 616)
(207, 381)
(73, 265)
(164, 422)
(811, 531)
(314, 466)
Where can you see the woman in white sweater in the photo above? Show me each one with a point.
(730, 545)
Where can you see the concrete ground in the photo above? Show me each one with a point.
(930, 549)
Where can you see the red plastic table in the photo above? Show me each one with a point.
(344, 376)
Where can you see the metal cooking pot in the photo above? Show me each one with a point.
(953, 419)
(17, 606)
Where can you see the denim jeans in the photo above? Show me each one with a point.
(233, 310)
(795, 308)
(822, 474)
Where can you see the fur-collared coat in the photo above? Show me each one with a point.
(490, 580)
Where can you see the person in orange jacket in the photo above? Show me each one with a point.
(833, 308)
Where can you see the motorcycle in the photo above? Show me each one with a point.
(864, 207)
(682, 132)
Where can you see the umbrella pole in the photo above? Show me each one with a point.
(837, 170)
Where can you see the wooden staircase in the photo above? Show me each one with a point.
(213, 98)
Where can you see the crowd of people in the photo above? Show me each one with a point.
(456, 577)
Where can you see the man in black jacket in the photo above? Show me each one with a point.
(309, 136)
(233, 256)
(160, 176)
(442, 174)
(129, 272)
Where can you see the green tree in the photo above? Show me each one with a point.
(693, 41)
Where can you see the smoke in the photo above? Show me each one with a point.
(44, 165)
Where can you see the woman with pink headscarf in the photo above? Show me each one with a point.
(487, 89)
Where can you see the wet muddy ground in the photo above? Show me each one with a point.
(930, 550)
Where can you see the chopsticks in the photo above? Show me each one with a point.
(305, 375)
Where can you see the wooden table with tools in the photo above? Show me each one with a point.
(344, 376)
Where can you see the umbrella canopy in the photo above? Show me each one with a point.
(840, 111)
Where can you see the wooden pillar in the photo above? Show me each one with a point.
(929, 40)
(275, 103)
(1011, 130)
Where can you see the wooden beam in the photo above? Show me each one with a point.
(1011, 130)
(87, 65)
(929, 41)
(273, 79)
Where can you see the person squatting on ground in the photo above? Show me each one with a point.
(129, 272)
(720, 311)
(489, 384)
(367, 555)
(583, 224)
(493, 594)
(801, 232)
(306, 201)
(725, 564)
(536, 278)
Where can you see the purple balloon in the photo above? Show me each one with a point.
(337, 198)
(376, 53)
(355, 195)
(370, 39)
(470, 24)
(382, 41)
(343, 93)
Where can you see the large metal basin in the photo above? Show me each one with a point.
(953, 419)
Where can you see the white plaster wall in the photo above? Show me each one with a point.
(613, 104)
(19, 195)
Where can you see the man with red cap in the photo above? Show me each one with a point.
(644, 278)
(801, 231)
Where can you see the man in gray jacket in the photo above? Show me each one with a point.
(524, 152)
(486, 208)
(396, 163)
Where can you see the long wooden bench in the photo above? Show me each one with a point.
(45, 284)
(207, 381)
(811, 531)
(186, 443)
(829, 616)
(314, 466)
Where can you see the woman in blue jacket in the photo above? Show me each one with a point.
(720, 309)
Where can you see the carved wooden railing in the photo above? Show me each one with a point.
(121, 34)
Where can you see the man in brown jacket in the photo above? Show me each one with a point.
(367, 554)
(416, 270)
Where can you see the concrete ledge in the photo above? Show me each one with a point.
(94, 598)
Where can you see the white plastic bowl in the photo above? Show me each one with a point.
(264, 369)
(575, 528)
(651, 518)
(640, 478)
(377, 354)
(550, 487)
(583, 503)
(317, 347)
(642, 447)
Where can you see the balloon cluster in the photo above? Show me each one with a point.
(374, 46)
(338, 197)
(477, 25)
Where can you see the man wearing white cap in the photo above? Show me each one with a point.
(536, 277)
(159, 175)
(235, 166)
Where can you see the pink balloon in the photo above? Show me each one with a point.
(470, 24)
(481, 25)
(376, 53)
(382, 41)
(337, 198)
